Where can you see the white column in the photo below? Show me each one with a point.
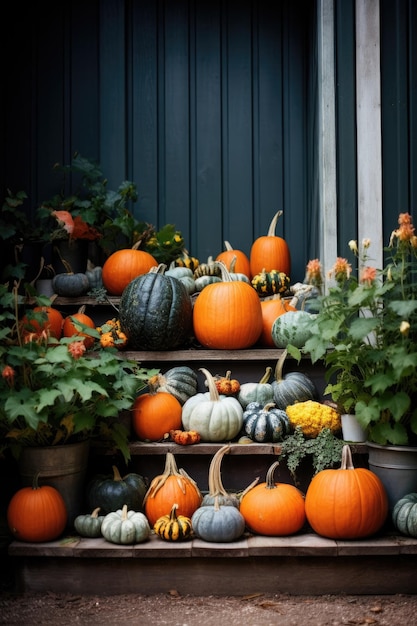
(368, 110)
(327, 134)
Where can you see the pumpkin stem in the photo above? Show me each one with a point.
(170, 469)
(228, 247)
(270, 483)
(35, 481)
(158, 269)
(280, 365)
(266, 376)
(273, 224)
(116, 474)
(232, 264)
(211, 384)
(95, 512)
(248, 488)
(225, 274)
(268, 406)
(124, 512)
(347, 462)
(214, 480)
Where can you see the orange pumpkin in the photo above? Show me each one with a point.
(37, 513)
(273, 509)
(270, 252)
(72, 326)
(241, 265)
(346, 503)
(155, 414)
(121, 267)
(51, 320)
(227, 315)
(271, 309)
(170, 487)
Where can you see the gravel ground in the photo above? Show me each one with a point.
(176, 610)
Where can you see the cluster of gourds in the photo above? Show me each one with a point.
(344, 503)
(264, 411)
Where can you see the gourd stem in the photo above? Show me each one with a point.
(268, 406)
(124, 512)
(273, 224)
(266, 376)
(173, 513)
(170, 469)
(211, 384)
(228, 247)
(280, 365)
(347, 462)
(95, 512)
(225, 275)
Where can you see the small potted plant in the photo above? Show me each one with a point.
(54, 391)
(365, 331)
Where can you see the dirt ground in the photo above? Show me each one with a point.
(176, 610)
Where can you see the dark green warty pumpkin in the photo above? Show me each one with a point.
(110, 493)
(265, 423)
(155, 312)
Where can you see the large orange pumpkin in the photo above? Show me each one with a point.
(171, 487)
(273, 509)
(155, 414)
(271, 309)
(71, 326)
(346, 503)
(227, 315)
(123, 266)
(270, 252)
(241, 265)
(37, 514)
(50, 320)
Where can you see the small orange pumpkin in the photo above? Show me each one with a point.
(170, 487)
(121, 267)
(271, 309)
(241, 264)
(185, 437)
(270, 252)
(155, 414)
(37, 513)
(273, 509)
(51, 320)
(346, 503)
(72, 326)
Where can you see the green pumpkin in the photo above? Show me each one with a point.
(219, 523)
(293, 387)
(70, 285)
(180, 381)
(261, 392)
(203, 281)
(95, 277)
(293, 327)
(155, 312)
(185, 275)
(89, 525)
(404, 515)
(112, 492)
(125, 527)
(265, 423)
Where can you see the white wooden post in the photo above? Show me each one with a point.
(369, 149)
(327, 134)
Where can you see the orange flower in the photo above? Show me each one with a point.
(368, 275)
(313, 272)
(8, 374)
(76, 349)
(341, 270)
(65, 218)
(82, 230)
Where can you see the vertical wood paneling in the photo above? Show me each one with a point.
(142, 112)
(112, 71)
(206, 135)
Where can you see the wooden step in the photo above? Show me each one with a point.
(303, 564)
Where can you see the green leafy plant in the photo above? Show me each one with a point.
(365, 331)
(324, 451)
(55, 391)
